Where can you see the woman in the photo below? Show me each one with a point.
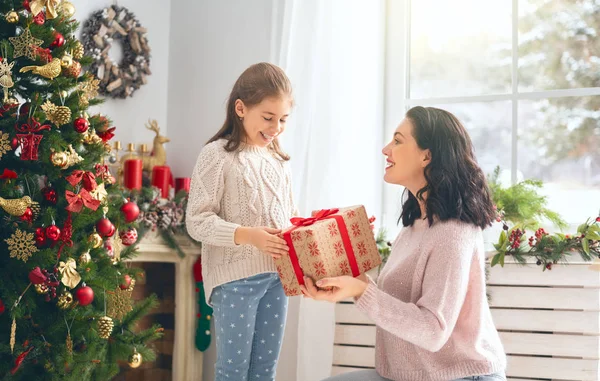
(429, 304)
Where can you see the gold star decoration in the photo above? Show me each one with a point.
(21, 245)
(25, 45)
(119, 302)
(88, 90)
(4, 143)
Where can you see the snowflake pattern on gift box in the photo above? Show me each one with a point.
(351, 214)
(332, 229)
(355, 229)
(314, 249)
(345, 267)
(319, 268)
(339, 248)
(296, 236)
(308, 233)
(362, 249)
(367, 265)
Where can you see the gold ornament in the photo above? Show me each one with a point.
(78, 51)
(41, 289)
(26, 45)
(159, 154)
(96, 240)
(118, 246)
(90, 137)
(4, 143)
(105, 327)
(17, 206)
(69, 344)
(66, 60)
(37, 6)
(135, 360)
(6, 80)
(21, 245)
(58, 115)
(65, 300)
(73, 70)
(63, 94)
(119, 303)
(70, 276)
(65, 159)
(13, 335)
(99, 193)
(89, 90)
(85, 258)
(50, 70)
(12, 17)
(67, 9)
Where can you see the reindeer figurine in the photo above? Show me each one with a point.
(159, 155)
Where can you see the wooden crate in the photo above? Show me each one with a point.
(549, 323)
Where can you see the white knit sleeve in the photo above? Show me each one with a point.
(288, 181)
(206, 192)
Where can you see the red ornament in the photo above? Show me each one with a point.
(110, 250)
(84, 295)
(37, 277)
(27, 216)
(105, 228)
(2, 308)
(14, 143)
(8, 175)
(129, 236)
(49, 195)
(102, 124)
(26, 5)
(81, 125)
(597, 219)
(53, 232)
(28, 140)
(40, 18)
(126, 282)
(131, 211)
(59, 40)
(40, 237)
(73, 71)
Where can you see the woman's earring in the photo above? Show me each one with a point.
(241, 118)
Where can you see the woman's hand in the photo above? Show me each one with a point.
(341, 288)
(264, 239)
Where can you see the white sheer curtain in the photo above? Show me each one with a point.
(333, 52)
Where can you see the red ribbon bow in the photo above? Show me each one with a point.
(8, 174)
(320, 215)
(78, 201)
(89, 179)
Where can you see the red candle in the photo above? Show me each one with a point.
(132, 174)
(182, 183)
(161, 178)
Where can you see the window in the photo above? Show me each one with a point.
(524, 78)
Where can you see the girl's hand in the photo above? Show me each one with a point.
(342, 287)
(264, 239)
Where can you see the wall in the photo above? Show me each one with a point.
(150, 101)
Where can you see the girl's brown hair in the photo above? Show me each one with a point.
(259, 81)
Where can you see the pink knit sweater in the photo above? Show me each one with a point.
(430, 306)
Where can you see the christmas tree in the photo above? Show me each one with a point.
(66, 229)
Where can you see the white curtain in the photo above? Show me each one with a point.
(333, 52)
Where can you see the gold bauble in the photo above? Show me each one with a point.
(65, 300)
(96, 240)
(73, 71)
(66, 60)
(12, 17)
(85, 258)
(59, 159)
(135, 360)
(79, 51)
(41, 289)
(68, 9)
(105, 327)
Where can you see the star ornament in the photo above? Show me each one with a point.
(25, 45)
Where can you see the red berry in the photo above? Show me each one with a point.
(549, 266)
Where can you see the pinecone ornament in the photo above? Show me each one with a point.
(165, 218)
(150, 219)
(78, 52)
(105, 327)
(58, 115)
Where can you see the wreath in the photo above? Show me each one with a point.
(122, 79)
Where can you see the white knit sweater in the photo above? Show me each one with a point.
(249, 187)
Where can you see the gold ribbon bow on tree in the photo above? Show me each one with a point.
(51, 7)
(70, 276)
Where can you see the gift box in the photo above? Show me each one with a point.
(333, 242)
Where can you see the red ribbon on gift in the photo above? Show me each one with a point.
(78, 201)
(323, 214)
(29, 141)
(89, 179)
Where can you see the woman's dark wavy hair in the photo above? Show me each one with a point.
(456, 186)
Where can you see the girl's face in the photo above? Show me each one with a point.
(264, 121)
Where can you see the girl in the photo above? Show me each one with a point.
(429, 304)
(240, 198)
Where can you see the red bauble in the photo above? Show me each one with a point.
(84, 295)
(126, 282)
(14, 143)
(129, 236)
(130, 211)
(59, 40)
(49, 195)
(53, 232)
(1, 307)
(40, 236)
(26, 5)
(27, 216)
(40, 19)
(597, 219)
(81, 125)
(105, 228)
